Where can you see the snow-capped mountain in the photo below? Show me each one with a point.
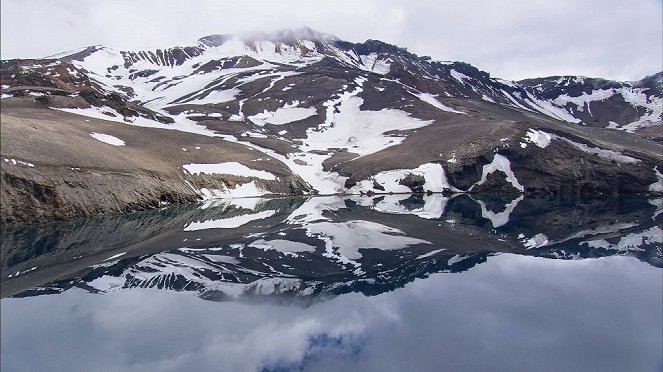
(299, 111)
(217, 68)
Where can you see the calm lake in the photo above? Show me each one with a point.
(382, 283)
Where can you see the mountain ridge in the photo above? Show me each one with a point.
(250, 40)
(329, 116)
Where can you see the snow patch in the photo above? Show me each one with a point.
(229, 168)
(435, 180)
(107, 138)
(434, 205)
(107, 283)
(239, 191)
(313, 208)
(18, 162)
(283, 115)
(216, 96)
(360, 132)
(349, 237)
(537, 241)
(455, 259)
(432, 100)
(549, 109)
(486, 98)
(115, 256)
(514, 101)
(372, 63)
(228, 223)
(106, 113)
(539, 138)
(22, 272)
(462, 78)
(658, 203)
(281, 245)
(502, 164)
(596, 95)
(631, 242)
(429, 254)
(502, 218)
(658, 185)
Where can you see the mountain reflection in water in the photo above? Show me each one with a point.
(540, 299)
(300, 249)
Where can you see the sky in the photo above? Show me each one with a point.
(511, 39)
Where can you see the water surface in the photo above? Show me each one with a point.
(393, 282)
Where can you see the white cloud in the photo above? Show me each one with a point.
(515, 39)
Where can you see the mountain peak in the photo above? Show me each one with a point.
(285, 36)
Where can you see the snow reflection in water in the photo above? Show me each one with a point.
(371, 283)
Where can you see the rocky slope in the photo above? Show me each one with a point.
(296, 112)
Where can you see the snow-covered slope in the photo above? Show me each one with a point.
(625, 106)
(348, 117)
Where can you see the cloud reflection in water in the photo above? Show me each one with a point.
(511, 313)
